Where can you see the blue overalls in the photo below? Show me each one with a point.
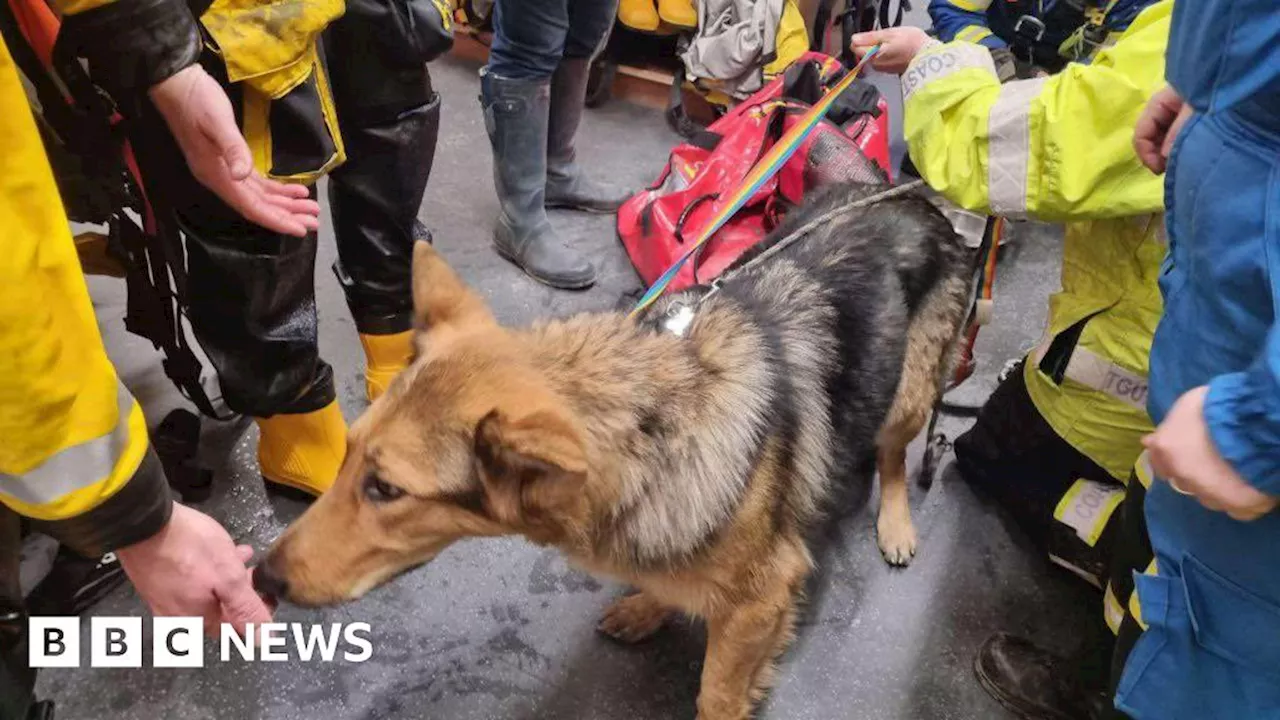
(1212, 649)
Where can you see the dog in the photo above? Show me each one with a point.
(689, 452)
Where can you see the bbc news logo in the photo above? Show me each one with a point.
(178, 642)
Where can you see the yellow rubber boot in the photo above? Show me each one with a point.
(638, 15)
(303, 450)
(678, 12)
(385, 356)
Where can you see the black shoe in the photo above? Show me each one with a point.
(1035, 684)
(516, 119)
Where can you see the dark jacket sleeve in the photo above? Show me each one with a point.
(140, 509)
(131, 45)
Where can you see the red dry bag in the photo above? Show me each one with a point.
(849, 144)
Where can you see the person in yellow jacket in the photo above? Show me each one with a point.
(1058, 440)
(76, 461)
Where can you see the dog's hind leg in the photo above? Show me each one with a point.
(634, 618)
(930, 341)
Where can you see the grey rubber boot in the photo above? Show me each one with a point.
(567, 185)
(515, 114)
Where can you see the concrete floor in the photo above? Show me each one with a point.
(502, 630)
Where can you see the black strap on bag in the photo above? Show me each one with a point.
(155, 270)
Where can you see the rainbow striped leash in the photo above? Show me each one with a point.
(766, 168)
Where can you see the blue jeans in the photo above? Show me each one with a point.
(531, 37)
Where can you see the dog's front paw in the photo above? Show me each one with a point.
(897, 541)
(633, 618)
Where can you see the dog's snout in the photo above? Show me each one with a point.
(269, 582)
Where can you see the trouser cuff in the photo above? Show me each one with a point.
(383, 324)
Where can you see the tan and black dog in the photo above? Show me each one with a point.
(687, 453)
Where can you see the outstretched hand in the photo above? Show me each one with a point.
(898, 47)
(193, 568)
(200, 117)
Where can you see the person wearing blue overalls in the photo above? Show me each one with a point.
(1211, 603)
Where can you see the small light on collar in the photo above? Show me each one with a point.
(678, 320)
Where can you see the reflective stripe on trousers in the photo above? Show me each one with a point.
(1134, 556)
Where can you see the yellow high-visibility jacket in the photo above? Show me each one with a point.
(1060, 148)
(75, 457)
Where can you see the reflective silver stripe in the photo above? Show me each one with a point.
(1081, 573)
(1095, 371)
(1009, 146)
(932, 65)
(1087, 508)
(73, 468)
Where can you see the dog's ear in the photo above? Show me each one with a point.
(439, 295)
(531, 466)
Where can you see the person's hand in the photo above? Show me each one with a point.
(200, 117)
(1183, 453)
(898, 47)
(192, 568)
(1158, 127)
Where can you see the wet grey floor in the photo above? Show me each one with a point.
(503, 630)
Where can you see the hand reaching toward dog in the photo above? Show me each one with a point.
(192, 568)
(1183, 453)
(898, 47)
(200, 117)
(1158, 127)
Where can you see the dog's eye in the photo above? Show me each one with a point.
(380, 491)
